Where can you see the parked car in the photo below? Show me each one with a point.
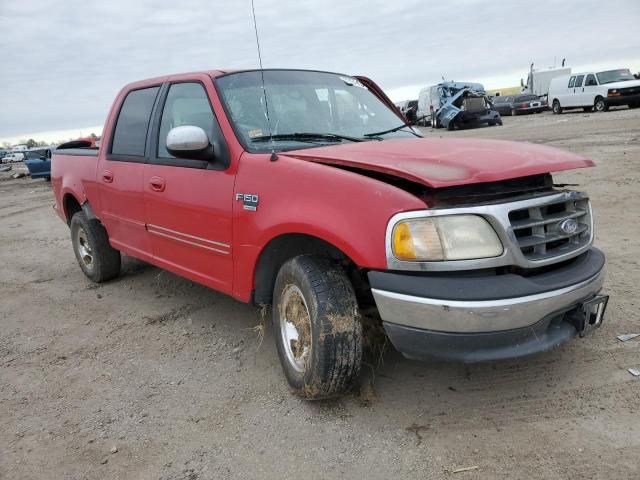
(594, 90)
(518, 104)
(38, 161)
(461, 249)
(13, 157)
(457, 104)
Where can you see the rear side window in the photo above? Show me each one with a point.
(572, 80)
(579, 81)
(133, 122)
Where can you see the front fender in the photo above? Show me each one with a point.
(346, 209)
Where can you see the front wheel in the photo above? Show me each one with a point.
(600, 105)
(317, 327)
(97, 258)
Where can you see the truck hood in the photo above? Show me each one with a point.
(625, 84)
(438, 163)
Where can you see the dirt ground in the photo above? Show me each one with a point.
(153, 376)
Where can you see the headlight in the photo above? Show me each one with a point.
(449, 237)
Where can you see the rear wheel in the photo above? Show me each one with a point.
(317, 327)
(557, 109)
(600, 105)
(98, 260)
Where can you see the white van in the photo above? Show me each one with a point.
(598, 90)
(13, 157)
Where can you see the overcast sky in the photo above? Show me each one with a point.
(63, 61)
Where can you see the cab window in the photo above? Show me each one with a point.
(591, 80)
(186, 104)
(132, 125)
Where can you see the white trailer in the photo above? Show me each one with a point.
(538, 80)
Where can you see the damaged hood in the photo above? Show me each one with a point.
(438, 163)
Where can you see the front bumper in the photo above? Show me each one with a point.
(484, 317)
(623, 99)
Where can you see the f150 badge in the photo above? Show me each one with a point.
(249, 201)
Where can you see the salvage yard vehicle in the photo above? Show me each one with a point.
(457, 104)
(38, 161)
(519, 104)
(340, 218)
(594, 91)
(13, 157)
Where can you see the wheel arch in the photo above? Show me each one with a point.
(71, 205)
(289, 245)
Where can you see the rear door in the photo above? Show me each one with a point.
(189, 201)
(575, 97)
(120, 173)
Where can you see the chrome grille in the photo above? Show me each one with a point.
(539, 228)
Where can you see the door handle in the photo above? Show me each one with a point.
(107, 176)
(157, 184)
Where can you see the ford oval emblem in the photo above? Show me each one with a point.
(569, 226)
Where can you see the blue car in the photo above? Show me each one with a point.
(38, 161)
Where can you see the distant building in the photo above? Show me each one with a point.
(19, 148)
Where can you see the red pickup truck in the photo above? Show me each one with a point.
(307, 191)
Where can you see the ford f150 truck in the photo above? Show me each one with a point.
(307, 191)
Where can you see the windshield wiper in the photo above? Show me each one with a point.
(391, 130)
(308, 136)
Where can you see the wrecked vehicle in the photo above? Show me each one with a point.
(457, 104)
(307, 191)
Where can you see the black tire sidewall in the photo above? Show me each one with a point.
(319, 379)
(106, 260)
(79, 221)
(289, 275)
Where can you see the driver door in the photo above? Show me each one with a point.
(189, 202)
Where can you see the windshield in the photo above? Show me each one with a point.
(611, 76)
(303, 102)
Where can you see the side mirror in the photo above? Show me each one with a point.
(189, 142)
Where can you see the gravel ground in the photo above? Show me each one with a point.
(153, 376)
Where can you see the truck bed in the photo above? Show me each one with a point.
(73, 173)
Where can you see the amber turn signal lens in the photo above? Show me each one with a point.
(403, 246)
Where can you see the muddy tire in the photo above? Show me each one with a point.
(98, 260)
(317, 327)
